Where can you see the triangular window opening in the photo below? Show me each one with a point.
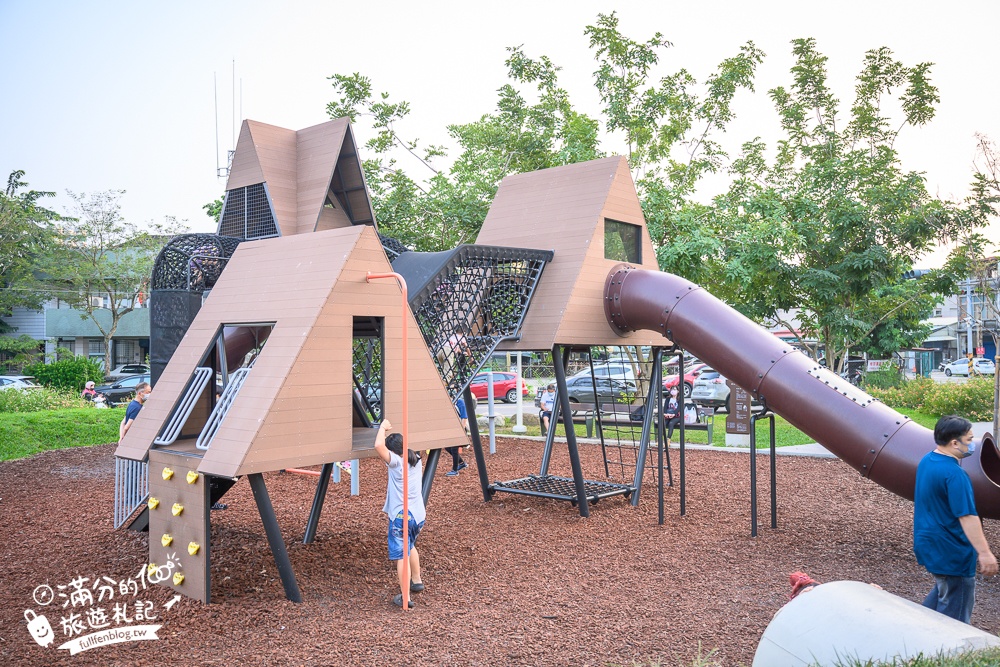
(197, 412)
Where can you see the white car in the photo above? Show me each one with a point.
(961, 367)
(18, 382)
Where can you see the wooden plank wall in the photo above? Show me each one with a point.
(245, 169)
(562, 209)
(319, 148)
(295, 407)
(276, 152)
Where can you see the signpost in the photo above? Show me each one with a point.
(738, 419)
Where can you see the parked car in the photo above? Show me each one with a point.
(504, 386)
(581, 390)
(961, 367)
(617, 370)
(18, 382)
(122, 391)
(125, 370)
(710, 389)
(689, 377)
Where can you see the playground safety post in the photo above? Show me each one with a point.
(406, 431)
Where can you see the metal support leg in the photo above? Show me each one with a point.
(652, 410)
(477, 449)
(429, 469)
(317, 507)
(274, 538)
(574, 451)
(355, 477)
(556, 411)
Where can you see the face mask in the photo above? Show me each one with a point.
(972, 448)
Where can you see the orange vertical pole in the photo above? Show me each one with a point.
(406, 433)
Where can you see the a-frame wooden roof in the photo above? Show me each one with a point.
(313, 175)
(295, 407)
(563, 209)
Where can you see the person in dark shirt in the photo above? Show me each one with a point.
(948, 537)
(142, 392)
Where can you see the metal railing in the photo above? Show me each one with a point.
(236, 379)
(190, 398)
(131, 488)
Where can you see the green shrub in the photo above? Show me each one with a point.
(887, 377)
(66, 373)
(972, 399)
(35, 400)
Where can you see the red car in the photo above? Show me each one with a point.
(504, 387)
(689, 377)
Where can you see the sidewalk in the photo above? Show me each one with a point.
(814, 450)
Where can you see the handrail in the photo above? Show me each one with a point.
(236, 379)
(184, 408)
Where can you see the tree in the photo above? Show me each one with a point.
(831, 224)
(436, 210)
(213, 209)
(104, 262)
(26, 233)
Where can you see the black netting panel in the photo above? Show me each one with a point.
(392, 247)
(192, 262)
(170, 314)
(367, 364)
(478, 298)
(247, 213)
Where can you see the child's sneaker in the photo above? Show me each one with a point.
(463, 465)
(451, 473)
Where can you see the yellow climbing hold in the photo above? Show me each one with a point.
(151, 569)
(166, 539)
(177, 509)
(168, 473)
(193, 548)
(192, 477)
(153, 503)
(178, 578)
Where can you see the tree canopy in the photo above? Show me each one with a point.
(824, 222)
(26, 235)
(103, 262)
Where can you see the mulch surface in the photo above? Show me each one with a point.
(515, 581)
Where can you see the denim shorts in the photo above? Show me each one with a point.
(395, 535)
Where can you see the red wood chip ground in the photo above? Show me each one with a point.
(516, 581)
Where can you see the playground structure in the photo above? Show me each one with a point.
(563, 263)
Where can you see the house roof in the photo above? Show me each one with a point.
(313, 175)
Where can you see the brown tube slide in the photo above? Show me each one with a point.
(880, 443)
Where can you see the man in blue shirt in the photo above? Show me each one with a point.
(948, 536)
(142, 392)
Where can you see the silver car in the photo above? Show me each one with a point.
(710, 389)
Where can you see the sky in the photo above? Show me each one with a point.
(148, 97)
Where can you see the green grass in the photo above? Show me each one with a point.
(985, 658)
(24, 434)
(784, 433)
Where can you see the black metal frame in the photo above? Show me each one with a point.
(769, 416)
